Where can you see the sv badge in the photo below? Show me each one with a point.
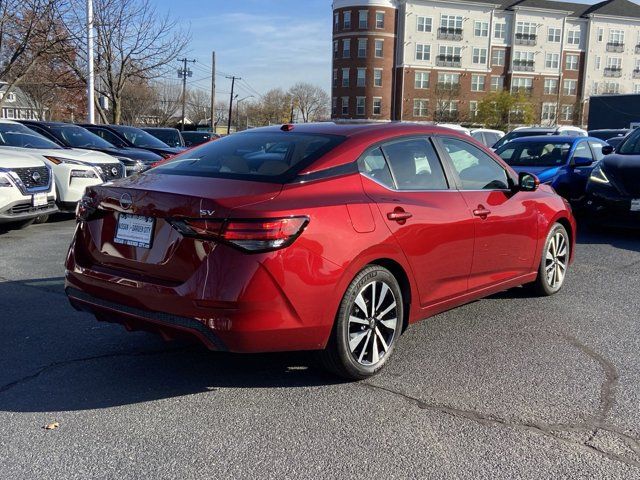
(207, 213)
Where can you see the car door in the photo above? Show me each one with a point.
(425, 213)
(505, 222)
(580, 166)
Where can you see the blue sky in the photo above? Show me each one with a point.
(269, 43)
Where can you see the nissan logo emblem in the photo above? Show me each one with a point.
(36, 177)
(114, 171)
(126, 201)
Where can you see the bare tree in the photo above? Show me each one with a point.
(273, 107)
(138, 103)
(29, 30)
(198, 105)
(311, 101)
(133, 43)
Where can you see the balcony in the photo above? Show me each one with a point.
(449, 61)
(446, 33)
(613, 72)
(523, 65)
(616, 47)
(636, 73)
(525, 39)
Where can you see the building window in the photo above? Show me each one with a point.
(377, 106)
(569, 87)
(553, 34)
(498, 57)
(379, 19)
(334, 106)
(550, 86)
(497, 84)
(362, 48)
(479, 56)
(345, 105)
(335, 77)
(448, 80)
(567, 113)
(422, 80)
(361, 79)
(360, 105)
(345, 77)
(11, 97)
(448, 109)
(377, 77)
(616, 37)
(335, 48)
(420, 108)
(346, 20)
(425, 24)
(521, 84)
(451, 23)
(526, 28)
(481, 29)
(571, 62)
(11, 113)
(363, 19)
(500, 31)
(597, 62)
(477, 83)
(573, 37)
(336, 20)
(549, 112)
(600, 34)
(473, 109)
(379, 48)
(423, 52)
(614, 63)
(523, 61)
(610, 88)
(552, 61)
(346, 48)
(636, 88)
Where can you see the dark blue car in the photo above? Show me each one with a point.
(563, 162)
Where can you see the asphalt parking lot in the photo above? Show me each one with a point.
(506, 387)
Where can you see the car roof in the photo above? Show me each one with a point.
(158, 128)
(554, 138)
(357, 129)
(47, 123)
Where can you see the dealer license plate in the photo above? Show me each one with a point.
(135, 230)
(635, 205)
(40, 200)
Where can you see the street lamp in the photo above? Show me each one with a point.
(238, 110)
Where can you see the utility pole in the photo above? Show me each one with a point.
(183, 73)
(238, 110)
(292, 105)
(233, 84)
(91, 116)
(213, 90)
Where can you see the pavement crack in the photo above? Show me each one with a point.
(64, 363)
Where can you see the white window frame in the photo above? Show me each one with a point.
(378, 107)
(501, 32)
(361, 106)
(479, 56)
(424, 24)
(361, 77)
(423, 52)
(552, 61)
(548, 87)
(379, 24)
(569, 87)
(422, 80)
(501, 57)
(420, 107)
(478, 82)
(377, 77)
(569, 65)
(344, 106)
(346, 76)
(554, 34)
(481, 29)
(363, 19)
(573, 37)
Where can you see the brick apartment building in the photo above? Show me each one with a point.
(434, 60)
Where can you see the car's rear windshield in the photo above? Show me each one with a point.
(538, 154)
(140, 138)
(169, 136)
(260, 156)
(519, 134)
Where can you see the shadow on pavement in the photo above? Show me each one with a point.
(627, 239)
(62, 360)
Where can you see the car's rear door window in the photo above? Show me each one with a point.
(415, 165)
(476, 169)
(597, 149)
(374, 165)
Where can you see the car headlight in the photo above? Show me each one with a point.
(5, 181)
(83, 174)
(598, 175)
(59, 160)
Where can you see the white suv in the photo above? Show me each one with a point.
(27, 189)
(74, 169)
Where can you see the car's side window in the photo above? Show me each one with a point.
(108, 136)
(374, 166)
(415, 165)
(476, 169)
(597, 150)
(583, 152)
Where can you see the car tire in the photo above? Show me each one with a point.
(367, 327)
(41, 219)
(554, 263)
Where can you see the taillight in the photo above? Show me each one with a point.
(86, 207)
(259, 235)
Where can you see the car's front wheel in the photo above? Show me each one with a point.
(554, 264)
(368, 325)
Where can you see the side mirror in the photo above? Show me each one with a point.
(527, 182)
(582, 162)
(607, 149)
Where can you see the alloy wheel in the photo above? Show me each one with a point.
(556, 259)
(373, 323)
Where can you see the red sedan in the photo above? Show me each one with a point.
(315, 237)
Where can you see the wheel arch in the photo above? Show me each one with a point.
(405, 286)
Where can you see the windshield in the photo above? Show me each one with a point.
(169, 136)
(631, 145)
(538, 154)
(79, 137)
(16, 135)
(511, 135)
(140, 138)
(252, 156)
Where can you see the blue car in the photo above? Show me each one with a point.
(563, 162)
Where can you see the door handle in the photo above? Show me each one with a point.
(481, 212)
(399, 215)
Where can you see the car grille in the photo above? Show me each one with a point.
(28, 208)
(33, 177)
(111, 171)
